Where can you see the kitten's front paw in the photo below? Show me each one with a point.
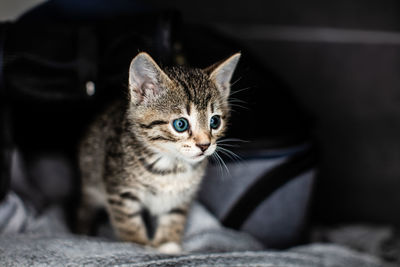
(170, 248)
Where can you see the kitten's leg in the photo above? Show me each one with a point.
(125, 212)
(169, 231)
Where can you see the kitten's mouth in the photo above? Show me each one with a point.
(197, 157)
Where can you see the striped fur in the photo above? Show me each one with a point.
(136, 165)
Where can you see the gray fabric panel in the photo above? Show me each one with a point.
(204, 233)
(279, 220)
(13, 214)
(17, 217)
(219, 192)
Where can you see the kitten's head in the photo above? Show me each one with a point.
(180, 112)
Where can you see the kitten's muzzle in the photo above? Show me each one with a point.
(203, 147)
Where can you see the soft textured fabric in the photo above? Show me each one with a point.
(39, 250)
(203, 231)
(46, 241)
(382, 241)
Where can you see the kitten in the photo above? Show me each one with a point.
(144, 158)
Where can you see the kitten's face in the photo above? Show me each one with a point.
(182, 112)
(185, 130)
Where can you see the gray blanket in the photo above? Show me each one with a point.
(42, 250)
(38, 250)
(31, 240)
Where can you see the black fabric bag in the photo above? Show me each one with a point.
(54, 76)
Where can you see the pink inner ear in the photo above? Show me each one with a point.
(149, 90)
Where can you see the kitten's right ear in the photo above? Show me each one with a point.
(221, 73)
(147, 82)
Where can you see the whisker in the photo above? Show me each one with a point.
(231, 140)
(234, 100)
(232, 84)
(240, 90)
(223, 163)
(232, 156)
(236, 105)
(226, 154)
(227, 145)
(224, 171)
(231, 153)
(229, 156)
(217, 161)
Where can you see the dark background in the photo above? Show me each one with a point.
(328, 72)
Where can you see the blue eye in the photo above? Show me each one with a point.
(215, 122)
(180, 125)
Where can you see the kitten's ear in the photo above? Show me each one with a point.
(147, 82)
(221, 73)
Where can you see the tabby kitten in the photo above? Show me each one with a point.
(143, 159)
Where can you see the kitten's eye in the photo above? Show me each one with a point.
(215, 122)
(180, 125)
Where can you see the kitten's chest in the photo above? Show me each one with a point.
(171, 191)
(162, 183)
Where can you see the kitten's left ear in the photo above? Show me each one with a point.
(221, 73)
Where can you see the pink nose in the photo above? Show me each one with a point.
(203, 147)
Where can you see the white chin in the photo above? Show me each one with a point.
(195, 159)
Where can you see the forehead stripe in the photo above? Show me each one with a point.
(188, 94)
(188, 108)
